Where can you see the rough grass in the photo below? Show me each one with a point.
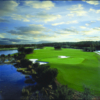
(82, 68)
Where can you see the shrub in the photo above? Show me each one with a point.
(8, 55)
(49, 75)
(28, 50)
(57, 47)
(41, 69)
(25, 91)
(21, 49)
(21, 56)
(2, 55)
(86, 94)
(35, 65)
(63, 93)
(25, 63)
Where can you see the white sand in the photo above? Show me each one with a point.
(63, 56)
(98, 52)
(41, 63)
(33, 60)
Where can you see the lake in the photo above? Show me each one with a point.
(6, 52)
(11, 81)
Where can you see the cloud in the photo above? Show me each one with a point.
(2, 35)
(70, 15)
(43, 16)
(76, 7)
(78, 10)
(67, 31)
(93, 2)
(46, 36)
(40, 4)
(98, 19)
(8, 41)
(93, 10)
(20, 17)
(32, 30)
(68, 22)
(92, 31)
(72, 22)
(7, 7)
(3, 20)
(55, 24)
(11, 40)
(79, 13)
(88, 24)
(83, 27)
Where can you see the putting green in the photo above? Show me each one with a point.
(64, 60)
(81, 68)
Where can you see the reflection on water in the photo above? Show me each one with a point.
(11, 82)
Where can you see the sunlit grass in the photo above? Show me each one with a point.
(81, 68)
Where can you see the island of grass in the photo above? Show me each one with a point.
(79, 69)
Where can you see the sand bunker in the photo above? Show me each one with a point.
(42, 63)
(63, 56)
(33, 60)
(98, 52)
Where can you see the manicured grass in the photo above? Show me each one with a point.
(81, 68)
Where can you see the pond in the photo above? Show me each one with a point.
(6, 52)
(11, 81)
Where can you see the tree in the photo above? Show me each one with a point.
(28, 50)
(41, 69)
(25, 63)
(21, 49)
(36, 65)
(57, 47)
(48, 76)
(21, 56)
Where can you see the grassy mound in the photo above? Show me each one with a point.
(81, 68)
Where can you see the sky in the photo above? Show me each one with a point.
(29, 22)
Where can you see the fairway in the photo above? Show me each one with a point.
(81, 68)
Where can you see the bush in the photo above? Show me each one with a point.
(57, 47)
(21, 56)
(15, 56)
(63, 93)
(2, 55)
(28, 50)
(35, 65)
(21, 49)
(25, 92)
(41, 69)
(8, 55)
(49, 75)
(86, 94)
(25, 63)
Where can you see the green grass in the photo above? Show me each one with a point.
(7, 49)
(81, 68)
(21, 69)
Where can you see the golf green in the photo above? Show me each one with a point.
(80, 68)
